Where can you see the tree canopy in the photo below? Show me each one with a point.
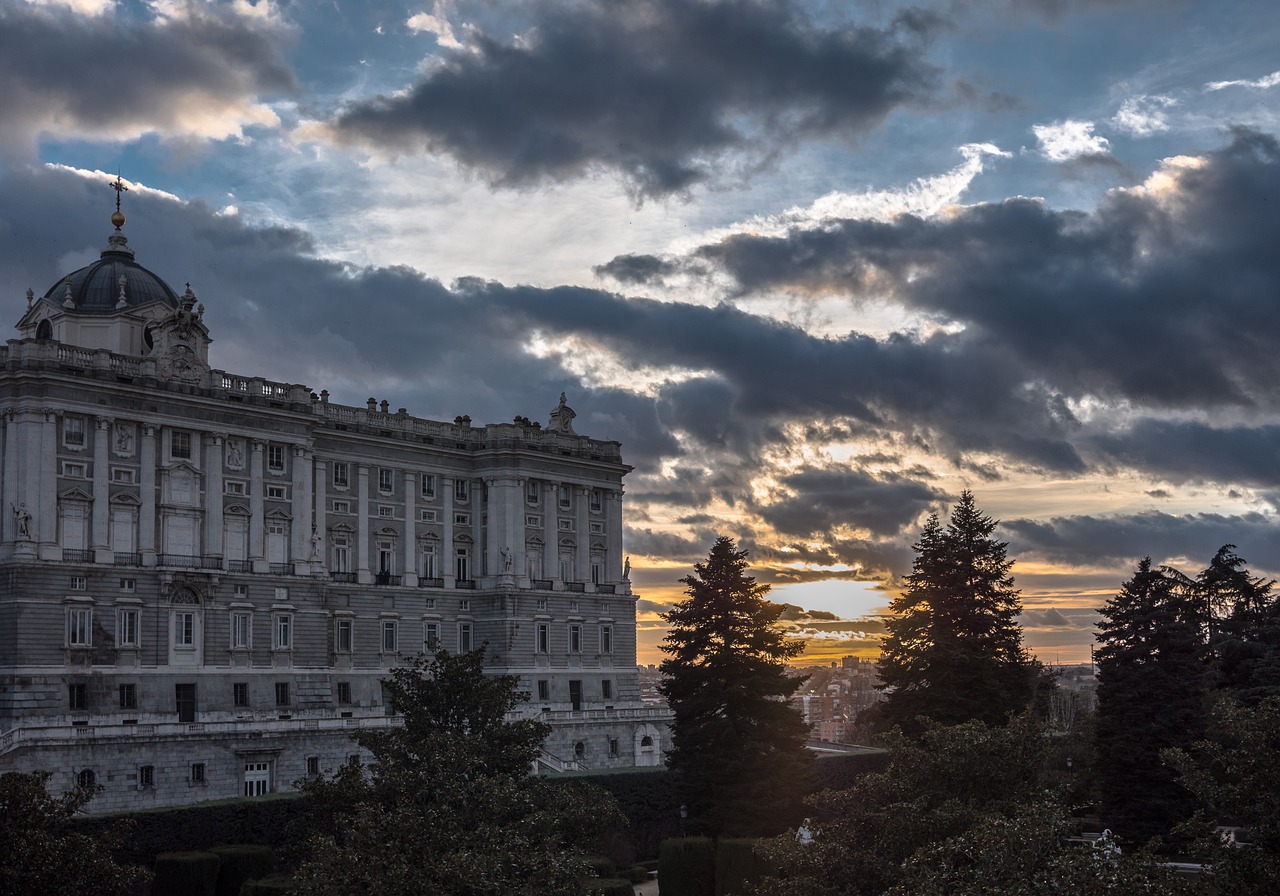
(738, 747)
(953, 651)
(448, 804)
(41, 854)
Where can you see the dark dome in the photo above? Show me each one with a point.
(95, 288)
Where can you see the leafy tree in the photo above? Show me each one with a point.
(953, 651)
(1152, 695)
(1242, 627)
(40, 853)
(738, 748)
(1234, 774)
(448, 805)
(1029, 853)
(938, 785)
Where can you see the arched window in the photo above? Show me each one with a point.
(86, 779)
(44, 330)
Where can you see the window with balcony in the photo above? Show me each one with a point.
(386, 479)
(180, 444)
(73, 431)
(428, 485)
(127, 628)
(275, 458)
(80, 627)
(341, 476)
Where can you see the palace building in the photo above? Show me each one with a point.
(204, 576)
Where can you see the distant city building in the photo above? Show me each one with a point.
(206, 575)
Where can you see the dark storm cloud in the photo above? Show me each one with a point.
(1094, 540)
(667, 93)
(636, 269)
(1184, 451)
(820, 499)
(1162, 297)
(64, 73)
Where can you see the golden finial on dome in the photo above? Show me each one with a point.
(117, 218)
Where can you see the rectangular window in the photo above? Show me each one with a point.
(341, 477)
(544, 690)
(575, 639)
(429, 603)
(390, 635)
(128, 696)
(431, 635)
(464, 605)
(566, 525)
(464, 637)
(544, 638)
(282, 693)
(180, 444)
(79, 583)
(460, 489)
(386, 479)
(241, 630)
(533, 522)
(427, 516)
(123, 475)
(341, 506)
(428, 485)
(127, 632)
(73, 432)
(606, 639)
(597, 502)
(283, 632)
(80, 627)
(75, 470)
(574, 606)
(462, 565)
(184, 629)
(597, 570)
(234, 487)
(278, 492)
(613, 747)
(542, 604)
(597, 528)
(78, 697)
(240, 693)
(343, 632)
(566, 497)
(146, 776)
(386, 511)
(341, 555)
(197, 773)
(462, 519)
(313, 766)
(240, 591)
(275, 457)
(282, 593)
(531, 493)
(344, 692)
(606, 689)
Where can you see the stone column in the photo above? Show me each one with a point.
(257, 508)
(613, 532)
(213, 495)
(8, 524)
(47, 521)
(447, 563)
(320, 506)
(363, 576)
(300, 505)
(147, 491)
(582, 529)
(551, 531)
(409, 552)
(518, 565)
(99, 538)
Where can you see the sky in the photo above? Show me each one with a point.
(818, 266)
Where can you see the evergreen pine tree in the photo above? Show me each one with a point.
(738, 747)
(1242, 627)
(953, 651)
(1151, 696)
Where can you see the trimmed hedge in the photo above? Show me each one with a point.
(264, 820)
(242, 862)
(275, 885)
(610, 886)
(601, 866)
(687, 867)
(186, 874)
(737, 866)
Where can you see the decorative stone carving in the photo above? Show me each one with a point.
(562, 418)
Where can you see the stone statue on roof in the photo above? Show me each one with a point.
(562, 418)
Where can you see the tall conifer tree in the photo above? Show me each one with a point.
(954, 651)
(1152, 695)
(738, 751)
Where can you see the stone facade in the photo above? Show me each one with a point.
(204, 576)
